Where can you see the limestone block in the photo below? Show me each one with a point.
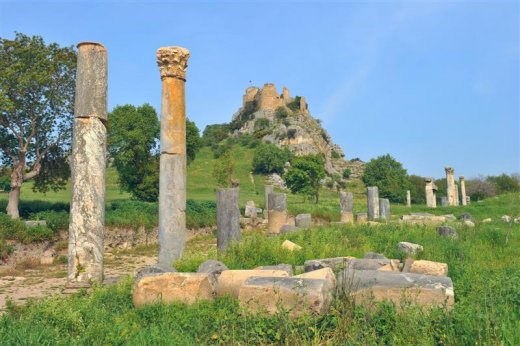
(303, 220)
(429, 268)
(34, 223)
(469, 223)
(367, 286)
(324, 273)
(410, 248)
(361, 217)
(373, 203)
(230, 281)
(449, 217)
(447, 231)
(172, 288)
(153, 269)
(373, 264)
(335, 263)
(384, 208)
(288, 229)
(228, 217)
(374, 255)
(488, 220)
(506, 218)
(289, 245)
(297, 296)
(286, 267)
(250, 209)
(347, 217)
(346, 202)
(213, 267)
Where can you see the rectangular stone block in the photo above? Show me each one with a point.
(429, 268)
(173, 288)
(335, 263)
(324, 274)
(297, 296)
(230, 281)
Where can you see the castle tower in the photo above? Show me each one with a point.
(269, 99)
(285, 95)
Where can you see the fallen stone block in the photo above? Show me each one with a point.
(289, 245)
(506, 218)
(173, 288)
(303, 220)
(450, 217)
(367, 286)
(373, 264)
(361, 217)
(469, 223)
(230, 281)
(297, 296)
(153, 269)
(487, 220)
(213, 268)
(410, 248)
(429, 268)
(422, 219)
(34, 223)
(285, 267)
(447, 231)
(335, 263)
(288, 228)
(374, 255)
(324, 274)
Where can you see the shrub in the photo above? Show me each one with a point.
(268, 158)
(56, 220)
(346, 173)
(335, 155)
(261, 124)
(294, 105)
(5, 183)
(281, 113)
(291, 133)
(214, 134)
(223, 169)
(504, 183)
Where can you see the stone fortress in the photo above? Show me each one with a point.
(287, 122)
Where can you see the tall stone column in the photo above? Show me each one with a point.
(408, 199)
(384, 208)
(87, 207)
(451, 190)
(172, 62)
(346, 203)
(228, 217)
(430, 188)
(373, 203)
(268, 189)
(277, 212)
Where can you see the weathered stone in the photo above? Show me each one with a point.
(230, 281)
(374, 255)
(466, 216)
(172, 62)
(469, 223)
(451, 189)
(367, 286)
(429, 268)
(88, 162)
(516, 220)
(373, 264)
(407, 265)
(506, 218)
(449, 217)
(346, 203)
(288, 229)
(285, 267)
(463, 191)
(447, 231)
(250, 209)
(213, 267)
(172, 288)
(361, 217)
(335, 263)
(268, 189)
(289, 245)
(444, 201)
(303, 220)
(153, 270)
(384, 208)
(228, 217)
(487, 220)
(410, 248)
(408, 199)
(431, 193)
(421, 220)
(34, 223)
(277, 212)
(326, 274)
(297, 296)
(373, 203)
(48, 257)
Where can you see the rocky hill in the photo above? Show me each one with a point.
(286, 122)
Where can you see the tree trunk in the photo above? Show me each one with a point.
(14, 194)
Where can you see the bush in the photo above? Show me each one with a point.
(223, 169)
(291, 133)
(504, 183)
(335, 155)
(268, 158)
(261, 124)
(389, 176)
(281, 113)
(5, 183)
(346, 173)
(214, 134)
(417, 191)
(56, 220)
(294, 105)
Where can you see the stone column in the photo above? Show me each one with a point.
(384, 208)
(228, 217)
(373, 203)
(444, 201)
(408, 199)
(172, 62)
(431, 200)
(87, 207)
(277, 212)
(451, 191)
(268, 189)
(346, 203)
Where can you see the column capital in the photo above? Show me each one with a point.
(449, 170)
(461, 177)
(173, 62)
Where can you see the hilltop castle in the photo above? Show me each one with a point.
(268, 99)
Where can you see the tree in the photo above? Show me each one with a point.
(268, 158)
(133, 145)
(36, 111)
(214, 134)
(223, 169)
(389, 176)
(480, 188)
(305, 175)
(504, 183)
(417, 189)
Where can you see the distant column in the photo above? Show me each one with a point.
(429, 188)
(408, 199)
(87, 207)
(384, 208)
(228, 217)
(373, 203)
(172, 62)
(451, 190)
(444, 201)
(346, 202)
(268, 189)
(277, 212)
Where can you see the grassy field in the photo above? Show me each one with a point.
(484, 264)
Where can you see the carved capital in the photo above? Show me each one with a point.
(449, 170)
(173, 62)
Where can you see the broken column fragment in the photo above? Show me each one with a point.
(228, 217)
(430, 190)
(451, 188)
(277, 212)
(88, 159)
(373, 203)
(346, 202)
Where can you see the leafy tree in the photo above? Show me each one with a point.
(223, 169)
(214, 134)
(346, 173)
(417, 189)
(133, 145)
(504, 183)
(36, 111)
(305, 175)
(389, 176)
(281, 113)
(268, 158)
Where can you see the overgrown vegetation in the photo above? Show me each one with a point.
(268, 158)
(305, 175)
(389, 176)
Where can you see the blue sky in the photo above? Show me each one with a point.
(433, 83)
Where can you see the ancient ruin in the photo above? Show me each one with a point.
(373, 203)
(463, 191)
(408, 199)
(346, 203)
(277, 212)
(384, 209)
(451, 190)
(172, 62)
(431, 193)
(88, 161)
(228, 217)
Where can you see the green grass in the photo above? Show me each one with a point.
(484, 264)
